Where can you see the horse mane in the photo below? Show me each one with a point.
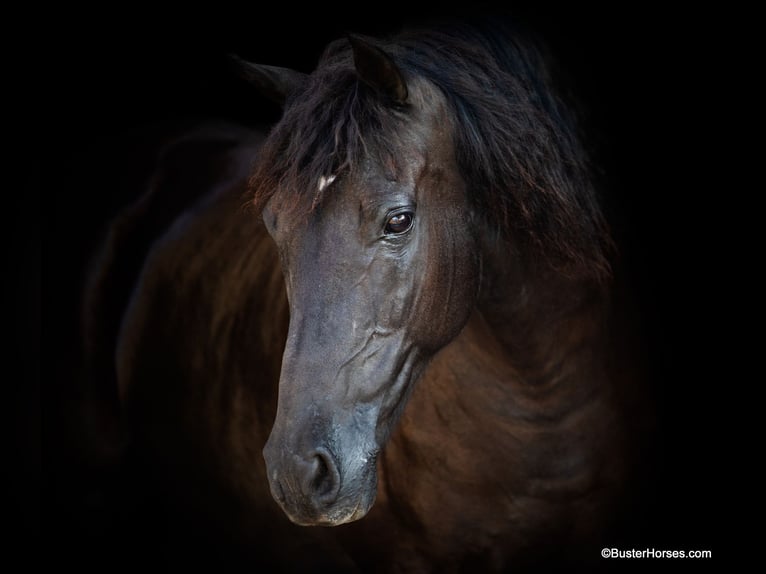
(517, 144)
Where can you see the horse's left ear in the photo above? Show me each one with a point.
(376, 69)
(274, 82)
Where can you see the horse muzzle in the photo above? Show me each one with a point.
(316, 488)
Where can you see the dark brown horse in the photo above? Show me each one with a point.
(420, 339)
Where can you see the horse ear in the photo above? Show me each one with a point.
(274, 82)
(376, 69)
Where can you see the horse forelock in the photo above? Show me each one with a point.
(327, 130)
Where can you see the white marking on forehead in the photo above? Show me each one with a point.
(325, 181)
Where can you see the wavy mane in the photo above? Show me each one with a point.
(517, 144)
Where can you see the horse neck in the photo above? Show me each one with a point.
(514, 421)
(525, 376)
(550, 328)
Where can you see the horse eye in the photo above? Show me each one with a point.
(399, 223)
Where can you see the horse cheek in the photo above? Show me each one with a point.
(450, 288)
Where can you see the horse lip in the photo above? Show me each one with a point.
(355, 514)
(335, 517)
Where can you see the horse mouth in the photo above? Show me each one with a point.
(336, 515)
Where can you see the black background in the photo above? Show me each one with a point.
(640, 72)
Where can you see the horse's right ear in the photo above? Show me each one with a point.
(274, 82)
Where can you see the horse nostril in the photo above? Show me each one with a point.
(324, 478)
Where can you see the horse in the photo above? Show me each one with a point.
(407, 330)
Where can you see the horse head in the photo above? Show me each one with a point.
(380, 266)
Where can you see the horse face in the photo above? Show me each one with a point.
(381, 275)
